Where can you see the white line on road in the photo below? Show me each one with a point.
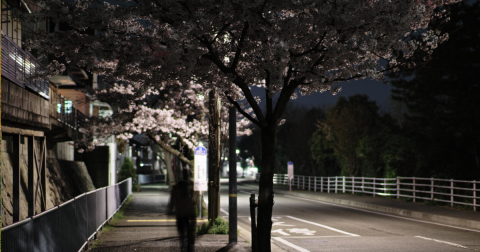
(449, 243)
(223, 211)
(317, 236)
(405, 218)
(244, 192)
(324, 226)
(290, 244)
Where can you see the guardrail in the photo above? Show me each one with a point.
(460, 192)
(150, 178)
(69, 226)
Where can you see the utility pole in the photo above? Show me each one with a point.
(213, 156)
(232, 175)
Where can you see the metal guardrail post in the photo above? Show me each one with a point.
(309, 185)
(431, 188)
(363, 184)
(373, 187)
(474, 196)
(303, 182)
(353, 184)
(321, 184)
(414, 190)
(343, 184)
(315, 183)
(398, 187)
(336, 181)
(298, 182)
(328, 184)
(451, 192)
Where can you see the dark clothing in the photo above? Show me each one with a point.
(182, 199)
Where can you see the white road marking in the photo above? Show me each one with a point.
(304, 231)
(223, 211)
(395, 216)
(317, 236)
(280, 231)
(449, 243)
(280, 224)
(244, 192)
(290, 244)
(324, 226)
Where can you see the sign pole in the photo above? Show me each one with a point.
(200, 178)
(232, 176)
(290, 173)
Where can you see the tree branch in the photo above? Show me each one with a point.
(239, 48)
(241, 111)
(171, 150)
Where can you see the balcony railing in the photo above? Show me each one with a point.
(63, 110)
(21, 67)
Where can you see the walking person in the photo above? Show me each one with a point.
(181, 199)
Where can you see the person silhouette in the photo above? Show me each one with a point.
(181, 199)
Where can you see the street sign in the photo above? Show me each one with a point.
(290, 170)
(200, 179)
(290, 173)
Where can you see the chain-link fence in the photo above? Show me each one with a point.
(67, 227)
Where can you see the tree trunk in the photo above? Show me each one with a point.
(214, 156)
(265, 198)
(168, 164)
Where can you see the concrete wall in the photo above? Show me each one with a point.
(24, 107)
(65, 151)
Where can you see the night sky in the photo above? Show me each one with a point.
(376, 90)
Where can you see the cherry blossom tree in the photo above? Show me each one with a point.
(288, 48)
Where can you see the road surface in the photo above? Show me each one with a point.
(309, 225)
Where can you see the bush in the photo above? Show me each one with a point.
(127, 171)
(220, 226)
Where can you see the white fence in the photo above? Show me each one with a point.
(451, 191)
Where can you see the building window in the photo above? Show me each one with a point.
(68, 107)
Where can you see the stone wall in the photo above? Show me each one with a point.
(65, 180)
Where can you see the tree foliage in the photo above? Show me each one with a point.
(443, 108)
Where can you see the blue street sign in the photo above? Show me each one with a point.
(200, 150)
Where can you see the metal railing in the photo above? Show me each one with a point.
(63, 110)
(69, 226)
(460, 192)
(21, 67)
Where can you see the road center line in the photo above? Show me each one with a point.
(395, 216)
(290, 244)
(449, 243)
(324, 226)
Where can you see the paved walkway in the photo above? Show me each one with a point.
(146, 228)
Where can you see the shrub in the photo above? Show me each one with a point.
(126, 171)
(220, 226)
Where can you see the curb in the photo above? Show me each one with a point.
(247, 236)
(394, 211)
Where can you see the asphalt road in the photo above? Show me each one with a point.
(309, 225)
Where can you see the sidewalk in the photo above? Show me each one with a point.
(438, 214)
(147, 228)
